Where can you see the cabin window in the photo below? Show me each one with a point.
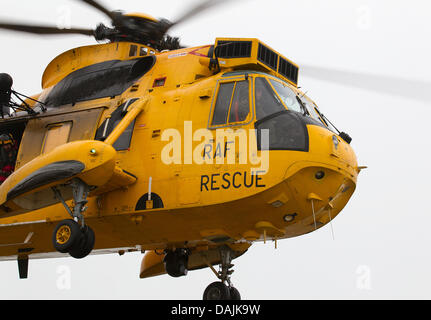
(133, 50)
(266, 100)
(232, 104)
(123, 141)
(95, 85)
(56, 135)
(100, 80)
(109, 124)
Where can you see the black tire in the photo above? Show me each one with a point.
(83, 247)
(234, 294)
(217, 291)
(66, 234)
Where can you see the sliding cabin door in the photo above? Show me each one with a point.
(44, 133)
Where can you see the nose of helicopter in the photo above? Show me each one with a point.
(323, 183)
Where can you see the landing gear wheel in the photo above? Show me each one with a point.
(66, 234)
(222, 290)
(234, 294)
(217, 291)
(69, 236)
(83, 247)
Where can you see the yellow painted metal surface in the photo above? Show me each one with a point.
(232, 206)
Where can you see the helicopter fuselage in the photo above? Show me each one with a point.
(189, 179)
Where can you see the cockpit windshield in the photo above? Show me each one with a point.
(312, 108)
(291, 100)
(273, 96)
(285, 112)
(267, 102)
(287, 96)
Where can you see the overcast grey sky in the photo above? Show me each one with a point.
(382, 239)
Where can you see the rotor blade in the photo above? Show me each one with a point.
(206, 4)
(45, 30)
(101, 8)
(413, 89)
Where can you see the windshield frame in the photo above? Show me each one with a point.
(322, 119)
(253, 74)
(285, 84)
(308, 103)
(232, 79)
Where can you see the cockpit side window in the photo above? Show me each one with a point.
(232, 104)
(266, 101)
(240, 107)
(224, 98)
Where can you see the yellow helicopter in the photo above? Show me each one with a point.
(188, 155)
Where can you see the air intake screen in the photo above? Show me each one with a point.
(251, 54)
(267, 56)
(288, 70)
(233, 49)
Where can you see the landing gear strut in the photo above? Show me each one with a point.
(223, 289)
(73, 236)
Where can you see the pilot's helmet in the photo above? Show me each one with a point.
(5, 139)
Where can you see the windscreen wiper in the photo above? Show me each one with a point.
(304, 109)
(342, 135)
